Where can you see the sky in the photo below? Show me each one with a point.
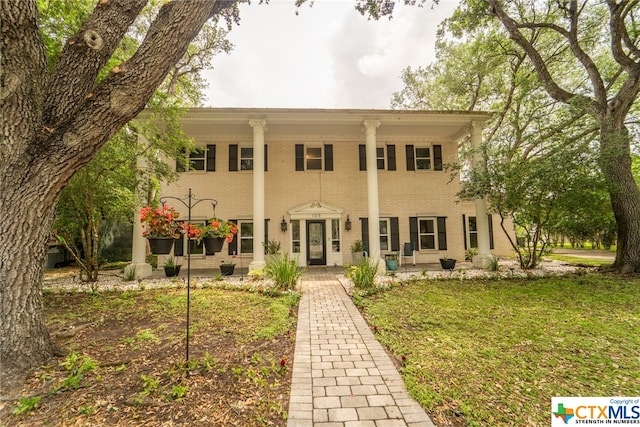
(327, 56)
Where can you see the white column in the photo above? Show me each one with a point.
(259, 127)
(139, 246)
(372, 189)
(484, 257)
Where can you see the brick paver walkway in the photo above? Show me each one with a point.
(341, 374)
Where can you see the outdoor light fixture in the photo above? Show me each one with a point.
(283, 225)
(347, 224)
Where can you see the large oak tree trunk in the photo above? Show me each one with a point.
(609, 109)
(615, 162)
(24, 338)
(52, 124)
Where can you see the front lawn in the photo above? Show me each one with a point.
(126, 360)
(495, 352)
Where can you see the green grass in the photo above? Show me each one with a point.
(498, 351)
(569, 259)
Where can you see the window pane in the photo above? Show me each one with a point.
(335, 229)
(314, 152)
(314, 158)
(196, 248)
(427, 242)
(384, 243)
(197, 164)
(380, 158)
(426, 226)
(295, 229)
(472, 224)
(314, 164)
(384, 227)
(423, 164)
(246, 159)
(246, 229)
(246, 246)
(473, 240)
(423, 158)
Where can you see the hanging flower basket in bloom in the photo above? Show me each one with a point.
(215, 233)
(160, 227)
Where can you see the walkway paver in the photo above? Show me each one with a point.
(341, 374)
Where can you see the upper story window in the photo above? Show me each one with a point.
(246, 158)
(200, 159)
(241, 158)
(424, 157)
(385, 157)
(314, 157)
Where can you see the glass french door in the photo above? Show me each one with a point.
(316, 246)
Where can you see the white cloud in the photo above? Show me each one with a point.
(328, 56)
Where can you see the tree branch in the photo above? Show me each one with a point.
(84, 55)
(126, 90)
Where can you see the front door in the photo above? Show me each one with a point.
(316, 248)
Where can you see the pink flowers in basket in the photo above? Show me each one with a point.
(159, 222)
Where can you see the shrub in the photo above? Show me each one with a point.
(470, 253)
(284, 270)
(363, 275)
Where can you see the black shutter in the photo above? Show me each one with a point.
(328, 157)
(233, 157)
(364, 222)
(411, 163)
(437, 157)
(442, 233)
(211, 158)
(490, 218)
(265, 157)
(413, 232)
(395, 234)
(233, 246)
(266, 230)
(464, 230)
(391, 157)
(178, 246)
(299, 157)
(362, 154)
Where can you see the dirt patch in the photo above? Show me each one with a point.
(126, 363)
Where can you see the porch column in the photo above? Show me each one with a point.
(259, 127)
(484, 257)
(139, 245)
(372, 189)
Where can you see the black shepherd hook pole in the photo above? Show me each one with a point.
(189, 204)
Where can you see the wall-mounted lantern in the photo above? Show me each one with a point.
(347, 224)
(283, 225)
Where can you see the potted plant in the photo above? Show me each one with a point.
(391, 261)
(227, 267)
(215, 233)
(357, 252)
(447, 263)
(160, 227)
(171, 269)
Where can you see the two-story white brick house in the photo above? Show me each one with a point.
(317, 180)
